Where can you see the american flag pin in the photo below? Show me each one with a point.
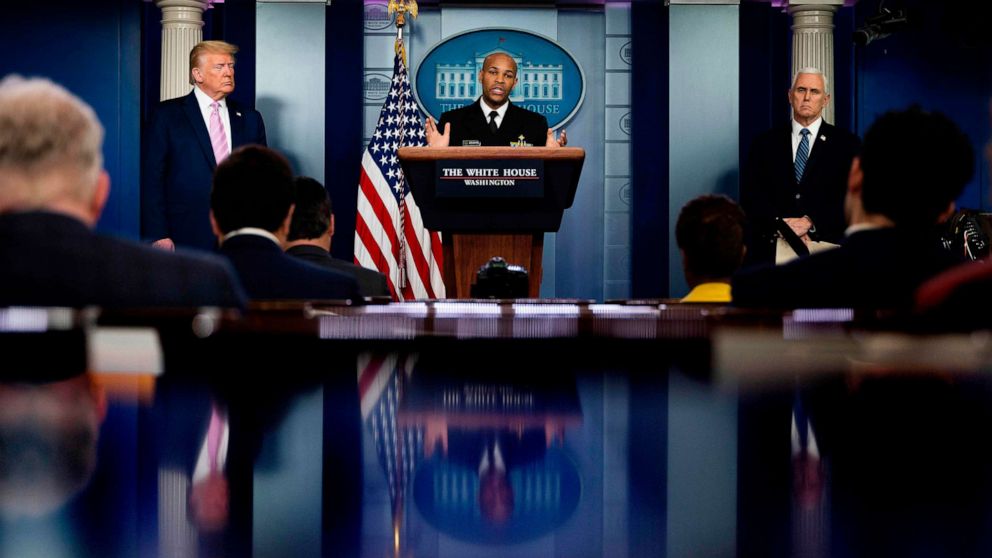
(822, 137)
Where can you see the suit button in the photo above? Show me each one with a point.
(798, 196)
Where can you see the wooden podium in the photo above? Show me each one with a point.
(505, 220)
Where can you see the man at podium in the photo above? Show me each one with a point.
(492, 120)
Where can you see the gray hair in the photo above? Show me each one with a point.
(50, 144)
(811, 70)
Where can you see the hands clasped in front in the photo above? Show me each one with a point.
(801, 226)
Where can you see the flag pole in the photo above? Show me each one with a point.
(401, 8)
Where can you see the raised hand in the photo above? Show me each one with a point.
(561, 141)
(435, 138)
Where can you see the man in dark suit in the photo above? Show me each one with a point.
(185, 140)
(795, 177)
(52, 191)
(311, 232)
(913, 166)
(492, 120)
(251, 206)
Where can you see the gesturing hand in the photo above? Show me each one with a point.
(561, 141)
(435, 138)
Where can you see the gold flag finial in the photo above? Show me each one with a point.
(401, 8)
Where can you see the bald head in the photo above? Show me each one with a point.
(501, 59)
(50, 148)
(497, 76)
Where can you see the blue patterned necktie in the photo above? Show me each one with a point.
(802, 154)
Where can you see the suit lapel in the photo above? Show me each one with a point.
(785, 148)
(509, 123)
(237, 125)
(195, 117)
(819, 148)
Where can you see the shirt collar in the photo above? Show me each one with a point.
(814, 128)
(486, 109)
(205, 101)
(862, 227)
(254, 232)
(709, 292)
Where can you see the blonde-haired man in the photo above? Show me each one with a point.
(52, 190)
(185, 140)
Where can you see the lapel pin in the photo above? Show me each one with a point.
(239, 114)
(822, 137)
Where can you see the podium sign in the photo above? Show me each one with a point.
(488, 178)
(491, 201)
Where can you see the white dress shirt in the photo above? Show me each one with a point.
(253, 231)
(500, 112)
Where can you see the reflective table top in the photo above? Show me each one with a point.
(490, 430)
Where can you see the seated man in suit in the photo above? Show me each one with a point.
(710, 236)
(250, 210)
(492, 119)
(795, 176)
(310, 234)
(913, 166)
(52, 191)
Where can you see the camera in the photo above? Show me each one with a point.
(498, 279)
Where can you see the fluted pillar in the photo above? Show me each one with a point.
(813, 42)
(182, 27)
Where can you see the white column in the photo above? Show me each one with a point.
(182, 27)
(813, 41)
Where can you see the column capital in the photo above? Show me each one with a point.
(182, 27)
(833, 4)
(202, 4)
(812, 16)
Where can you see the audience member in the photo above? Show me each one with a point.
(251, 206)
(312, 230)
(912, 167)
(958, 298)
(710, 236)
(52, 191)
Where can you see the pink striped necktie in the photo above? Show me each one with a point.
(214, 433)
(218, 139)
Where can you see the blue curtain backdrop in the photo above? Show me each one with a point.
(93, 49)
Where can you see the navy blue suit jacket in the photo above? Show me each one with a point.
(370, 281)
(269, 274)
(177, 169)
(879, 268)
(769, 188)
(469, 123)
(50, 259)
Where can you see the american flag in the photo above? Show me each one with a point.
(389, 233)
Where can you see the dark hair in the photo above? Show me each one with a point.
(252, 188)
(710, 231)
(915, 163)
(312, 215)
